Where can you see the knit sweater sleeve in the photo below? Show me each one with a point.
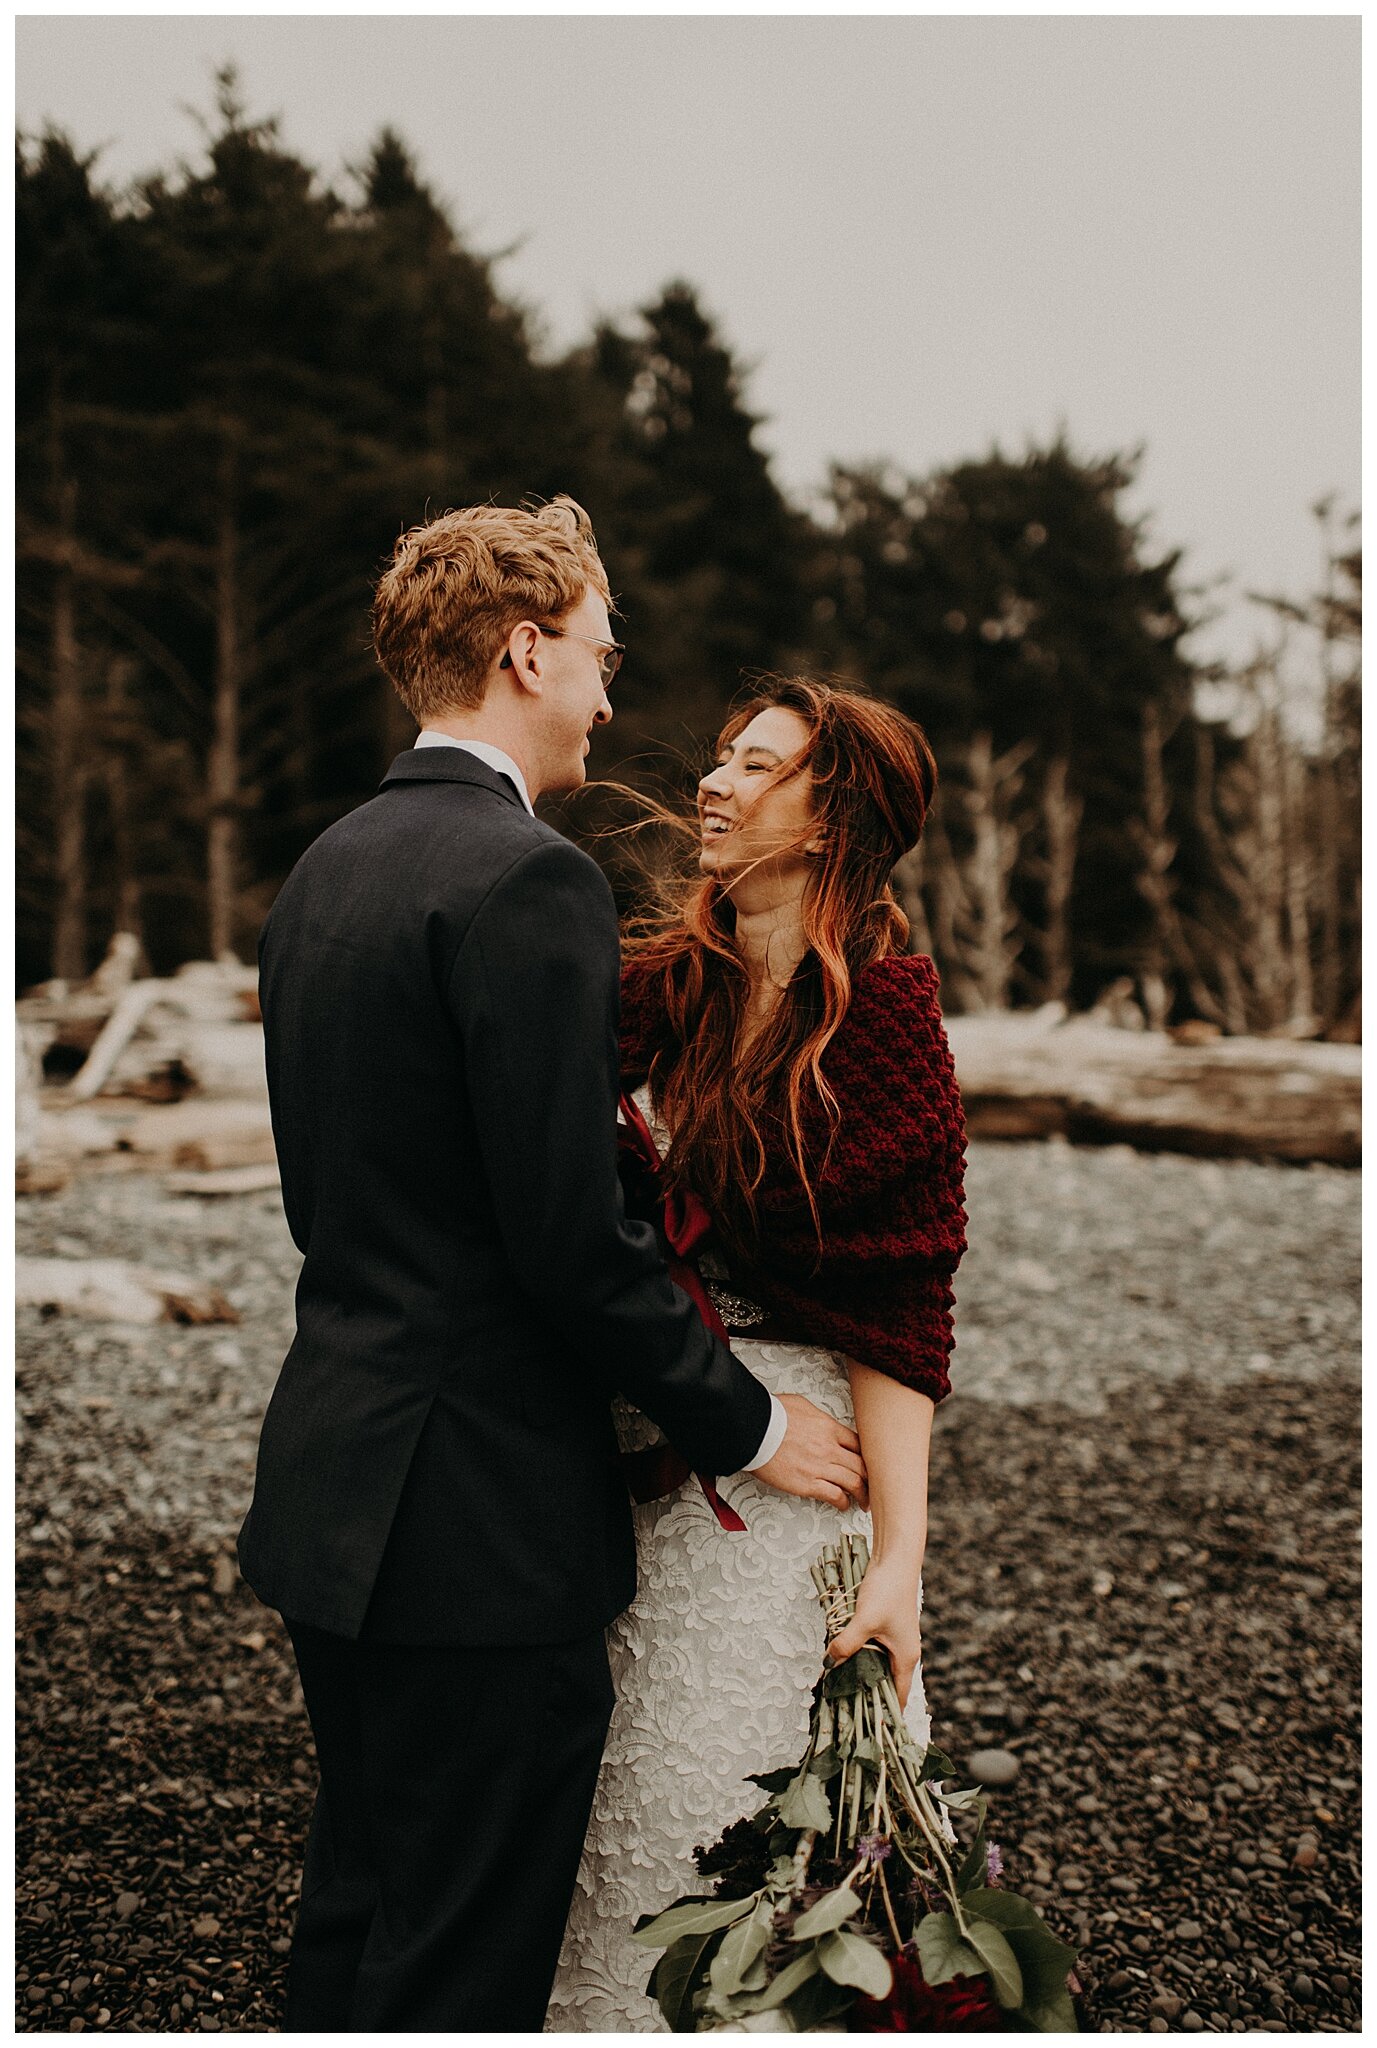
(890, 1195)
(891, 1198)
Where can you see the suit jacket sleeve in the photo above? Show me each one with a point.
(533, 993)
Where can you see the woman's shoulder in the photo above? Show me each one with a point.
(899, 977)
(890, 1056)
(899, 994)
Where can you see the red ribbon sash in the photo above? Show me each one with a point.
(686, 1222)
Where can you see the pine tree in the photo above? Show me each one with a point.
(1014, 597)
(713, 547)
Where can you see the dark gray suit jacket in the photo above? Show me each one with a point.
(439, 982)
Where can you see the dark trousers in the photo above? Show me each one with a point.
(455, 1790)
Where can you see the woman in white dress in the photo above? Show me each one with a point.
(796, 1078)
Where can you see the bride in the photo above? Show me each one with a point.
(793, 1068)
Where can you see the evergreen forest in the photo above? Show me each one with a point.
(237, 384)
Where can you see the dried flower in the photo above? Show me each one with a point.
(962, 2005)
(807, 1878)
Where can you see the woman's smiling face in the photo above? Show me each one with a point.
(748, 817)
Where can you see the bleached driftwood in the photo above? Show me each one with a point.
(231, 1180)
(160, 1026)
(119, 1027)
(202, 1134)
(113, 1291)
(196, 1023)
(1031, 1076)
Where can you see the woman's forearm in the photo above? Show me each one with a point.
(894, 1423)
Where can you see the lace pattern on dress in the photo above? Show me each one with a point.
(714, 1666)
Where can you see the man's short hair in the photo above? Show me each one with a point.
(456, 588)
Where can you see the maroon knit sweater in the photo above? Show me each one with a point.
(890, 1201)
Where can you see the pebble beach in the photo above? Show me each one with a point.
(1141, 1587)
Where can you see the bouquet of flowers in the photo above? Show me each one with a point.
(848, 1900)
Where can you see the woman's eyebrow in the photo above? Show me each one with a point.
(726, 751)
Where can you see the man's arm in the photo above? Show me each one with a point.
(533, 993)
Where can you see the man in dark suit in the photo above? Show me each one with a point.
(439, 1513)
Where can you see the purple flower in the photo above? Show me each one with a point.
(994, 1863)
(873, 1848)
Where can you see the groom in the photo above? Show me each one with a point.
(439, 1514)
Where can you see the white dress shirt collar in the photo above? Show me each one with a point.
(494, 756)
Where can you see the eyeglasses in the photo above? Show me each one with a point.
(610, 661)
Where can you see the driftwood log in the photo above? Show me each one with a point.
(1026, 1075)
(1023, 1074)
(114, 1291)
(156, 1038)
(204, 1134)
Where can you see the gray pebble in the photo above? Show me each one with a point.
(993, 1767)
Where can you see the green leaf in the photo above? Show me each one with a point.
(851, 1959)
(804, 1804)
(818, 2002)
(1055, 2015)
(866, 1751)
(787, 1982)
(743, 1945)
(773, 1781)
(936, 1763)
(826, 1913)
(867, 1668)
(825, 1764)
(677, 1976)
(1006, 1909)
(998, 1958)
(1043, 1960)
(970, 1795)
(974, 1865)
(942, 1952)
(691, 1916)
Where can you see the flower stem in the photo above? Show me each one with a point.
(889, 1908)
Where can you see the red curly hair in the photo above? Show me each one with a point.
(873, 778)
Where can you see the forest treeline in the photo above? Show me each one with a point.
(236, 385)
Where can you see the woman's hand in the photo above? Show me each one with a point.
(886, 1613)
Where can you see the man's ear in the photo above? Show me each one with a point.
(523, 657)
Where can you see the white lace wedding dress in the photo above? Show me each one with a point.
(714, 1667)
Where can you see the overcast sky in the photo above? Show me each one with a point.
(924, 235)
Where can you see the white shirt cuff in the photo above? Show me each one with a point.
(773, 1437)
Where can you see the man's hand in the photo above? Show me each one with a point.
(886, 1613)
(819, 1459)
